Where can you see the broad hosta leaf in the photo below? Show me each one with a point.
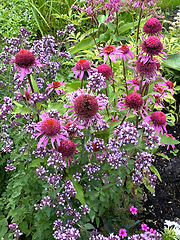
(84, 44)
(172, 61)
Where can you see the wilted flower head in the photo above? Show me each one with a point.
(107, 51)
(86, 106)
(158, 121)
(24, 60)
(81, 66)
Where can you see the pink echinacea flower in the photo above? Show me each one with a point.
(158, 121)
(122, 232)
(24, 60)
(86, 106)
(106, 71)
(49, 128)
(67, 148)
(54, 86)
(124, 52)
(108, 50)
(81, 66)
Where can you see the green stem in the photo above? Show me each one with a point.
(29, 78)
(124, 73)
(138, 27)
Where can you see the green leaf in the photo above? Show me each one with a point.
(154, 170)
(128, 26)
(89, 226)
(34, 84)
(92, 215)
(24, 227)
(146, 183)
(163, 155)
(84, 44)
(172, 61)
(37, 162)
(165, 139)
(79, 190)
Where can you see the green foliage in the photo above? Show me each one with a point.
(15, 14)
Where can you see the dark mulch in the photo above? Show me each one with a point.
(165, 205)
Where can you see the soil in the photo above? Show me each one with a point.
(165, 204)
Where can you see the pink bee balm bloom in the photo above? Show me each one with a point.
(106, 72)
(132, 101)
(54, 86)
(152, 26)
(144, 227)
(133, 210)
(67, 148)
(108, 50)
(49, 128)
(124, 52)
(158, 121)
(24, 60)
(86, 106)
(153, 46)
(122, 232)
(81, 66)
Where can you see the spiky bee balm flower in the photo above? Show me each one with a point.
(24, 60)
(49, 128)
